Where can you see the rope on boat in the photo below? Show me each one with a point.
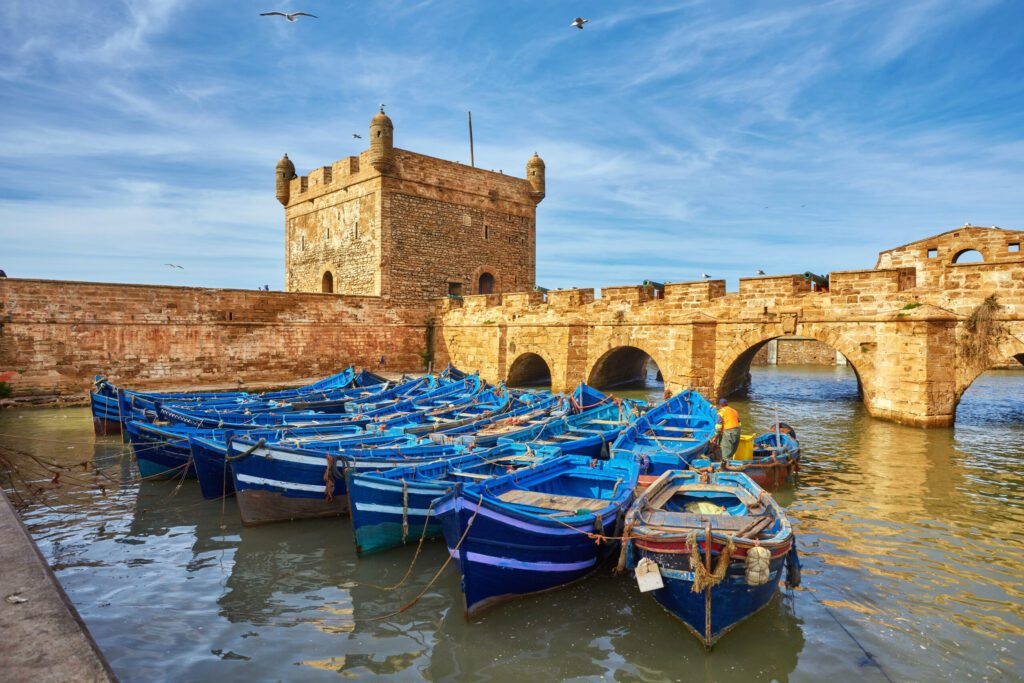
(246, 453)
(437, 574)
(405, 510)
(702, 578)
(329, 479)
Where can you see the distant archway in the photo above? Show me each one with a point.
(486, 285)
(969, 256)
(623, 365)
(529, 369)
(327, 283)
(736, 379)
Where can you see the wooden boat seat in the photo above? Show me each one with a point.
(685, 418)
(671, 438)
(552, 501)
(690, 520)
(471, 475)
(607, 422)
(685, 430)
(582, 430)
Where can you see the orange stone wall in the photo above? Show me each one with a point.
(55, 335)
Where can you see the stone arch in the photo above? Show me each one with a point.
(621, 364)
(1010, 346)
(327, 282)
(530, 369)
(969, 255)
(732, 364)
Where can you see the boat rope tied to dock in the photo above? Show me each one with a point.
(703, 578)
(758, 565)
(329, 479)
(454, 551)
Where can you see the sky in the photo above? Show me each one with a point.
(680, 138)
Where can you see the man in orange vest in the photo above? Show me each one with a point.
(729, 426)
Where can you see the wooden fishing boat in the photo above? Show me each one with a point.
(208, 448)
(775, 461)
(588, 433)
(274, 482)
(533, 530)
(389, 508)
(710, 548)
(106, 398)
(669, 436)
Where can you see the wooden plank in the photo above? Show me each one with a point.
(552, 501)
(605, 422)
(472, 475)
(671, 438)
(689, 520)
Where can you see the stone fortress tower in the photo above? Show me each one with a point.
(407, 226)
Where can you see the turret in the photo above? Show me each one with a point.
(381, 141)
(285, 173)
(535, 175)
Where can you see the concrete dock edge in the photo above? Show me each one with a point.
(44, 638)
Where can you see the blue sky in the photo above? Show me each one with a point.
(679, 137)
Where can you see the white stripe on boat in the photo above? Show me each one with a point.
(391, 509)
(249, 479)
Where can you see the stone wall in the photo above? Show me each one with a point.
(795, 351)
(909, 344)
(56, 335)
(931, 256)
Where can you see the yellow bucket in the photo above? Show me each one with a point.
(745, 451)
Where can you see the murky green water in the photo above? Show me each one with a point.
(913, 543)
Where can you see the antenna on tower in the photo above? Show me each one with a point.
(472, 161)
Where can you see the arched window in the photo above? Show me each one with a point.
(968, 256)
(486, 284)
(327, 284)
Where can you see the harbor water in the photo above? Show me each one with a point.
(912, 543)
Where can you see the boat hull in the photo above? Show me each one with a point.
(287, 487)
(159, 456)
(731, 601)
(387, 515)
(504, 556)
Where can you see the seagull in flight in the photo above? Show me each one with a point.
(291, 16)
(578, 23)
(174, 265)
(357, 136)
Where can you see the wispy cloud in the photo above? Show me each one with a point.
(680, 137)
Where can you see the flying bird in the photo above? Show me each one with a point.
(760, 272)
(705, 276)
(291, 16)
(357, 136)
(174, 265)
(578, 23)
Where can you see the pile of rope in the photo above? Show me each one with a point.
(702, 579)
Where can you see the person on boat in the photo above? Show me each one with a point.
(728, 426)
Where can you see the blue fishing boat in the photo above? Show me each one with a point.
(534, 530)
(710, 548)
(775, 460)
(391, 507)
(208, 448)
(588, 433)
(669, 436)
(274, 482)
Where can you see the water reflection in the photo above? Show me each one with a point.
(912, 542)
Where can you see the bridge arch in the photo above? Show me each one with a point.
(732, 365)
(530, 369)
(1009, 346)
(621, 365)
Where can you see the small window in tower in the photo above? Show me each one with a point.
(328, 233)
(933, 252)
(455, 290)
(303, 247)
(327, 283)
(487, 232)
(1014, 247)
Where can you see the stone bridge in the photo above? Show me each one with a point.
(917, 329)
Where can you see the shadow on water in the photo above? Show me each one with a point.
(912, 541)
